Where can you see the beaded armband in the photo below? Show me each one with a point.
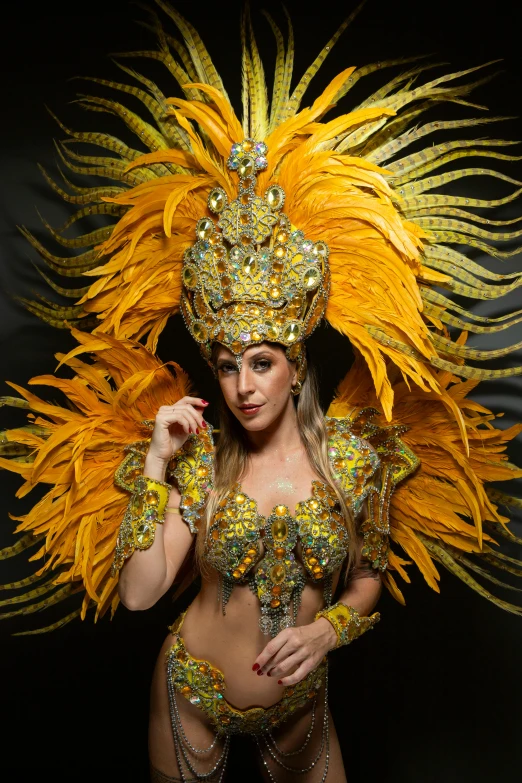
(347, 622)
(146, 506)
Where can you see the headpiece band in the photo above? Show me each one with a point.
(251, 275)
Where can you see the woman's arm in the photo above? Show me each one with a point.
(148, 573)
(295, 652)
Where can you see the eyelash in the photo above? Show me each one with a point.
(228, 368)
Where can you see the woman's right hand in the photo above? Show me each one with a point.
(173, 425)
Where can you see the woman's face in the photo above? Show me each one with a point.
(260, 392)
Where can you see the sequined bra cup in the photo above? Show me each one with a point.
(277, 555)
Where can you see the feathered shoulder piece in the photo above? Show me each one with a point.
(447, 511)
(75, 450)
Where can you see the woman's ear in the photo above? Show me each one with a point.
(294, 376)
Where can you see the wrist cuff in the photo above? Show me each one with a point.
(347, 622)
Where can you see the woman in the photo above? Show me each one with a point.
(279, 467)
(356, 188)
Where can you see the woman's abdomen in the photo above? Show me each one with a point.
(232, 642)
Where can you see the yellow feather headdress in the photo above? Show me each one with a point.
(395, 256)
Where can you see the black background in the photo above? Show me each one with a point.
(434, 694)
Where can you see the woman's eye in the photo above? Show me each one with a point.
(262, 364)
(227, 368)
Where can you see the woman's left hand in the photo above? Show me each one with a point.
(295, 652)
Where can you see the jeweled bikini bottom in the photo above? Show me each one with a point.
(204, 686)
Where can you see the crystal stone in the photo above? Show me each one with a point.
(279, 530)
(190, 277)
(275, 197)
(312, 278)
(200, 331)
(217, 200)
(320, 249)
(246, 167)
(205, 228)
(249, 265)
(143, 534)
(291, 332)
(277, 573)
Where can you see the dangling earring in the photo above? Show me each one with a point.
(295, 390)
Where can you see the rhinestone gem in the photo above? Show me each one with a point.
(249, 265)
(190, 277)
(280, 530)
(205, 228)
(291, 332)
(320, 249)
(200, 331)
(246, 167)
(277, 573)
(271, 330)
(312, 278)
(217, 200)
(275, 197)
(143, 534)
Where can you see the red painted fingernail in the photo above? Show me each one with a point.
(190, 430)
(205, 402)
(255, 667)
(260, 672)
(203, 423)
(268, 674)
(280, 682)
(197, 431)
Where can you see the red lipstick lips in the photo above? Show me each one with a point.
(249, 409)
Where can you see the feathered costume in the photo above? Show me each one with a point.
(395, 243)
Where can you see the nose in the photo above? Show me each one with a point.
(245, 381)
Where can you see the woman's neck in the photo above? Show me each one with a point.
(281, 437)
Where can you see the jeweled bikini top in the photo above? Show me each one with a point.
(248, 548)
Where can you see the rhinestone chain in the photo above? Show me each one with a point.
(325, 740)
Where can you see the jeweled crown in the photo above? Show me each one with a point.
(251, 275)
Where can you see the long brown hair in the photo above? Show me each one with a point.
(231, 458)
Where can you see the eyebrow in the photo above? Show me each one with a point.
(226, 360)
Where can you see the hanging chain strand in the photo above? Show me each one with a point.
(270, 738)
(325, 741)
